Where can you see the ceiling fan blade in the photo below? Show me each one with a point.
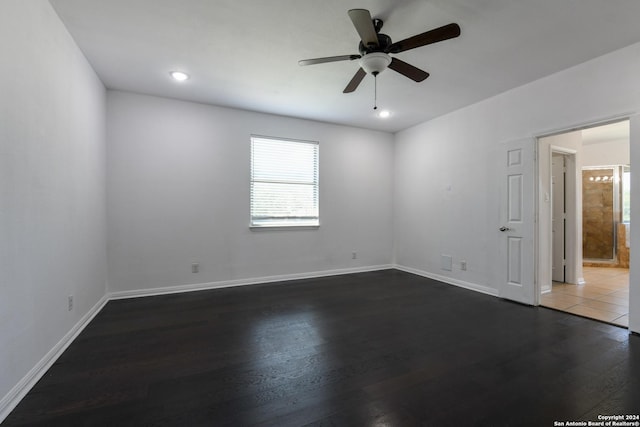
(355, 81)
(361, 19)
(328, 59)
(408, 70)
(446, 32)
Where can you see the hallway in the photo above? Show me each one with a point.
(604, 296)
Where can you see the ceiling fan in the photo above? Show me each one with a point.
(375, 49)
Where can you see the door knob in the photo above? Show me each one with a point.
(504, 228)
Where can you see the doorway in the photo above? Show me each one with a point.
(584, 221)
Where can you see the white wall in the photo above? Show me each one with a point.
(606, 153)
(52, 189)
(446, 188)
(178, 192)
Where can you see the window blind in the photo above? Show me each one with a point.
(284, 183)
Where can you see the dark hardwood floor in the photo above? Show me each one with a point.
(383, 348)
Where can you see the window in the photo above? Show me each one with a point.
(284, 183)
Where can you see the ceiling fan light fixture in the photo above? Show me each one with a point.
(375, 62)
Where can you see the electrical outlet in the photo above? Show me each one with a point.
(463, 265)
(195, 267)
(70, 303)
(354, 255)
(446, 262)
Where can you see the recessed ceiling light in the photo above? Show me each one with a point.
(384, 114)
(179, 75)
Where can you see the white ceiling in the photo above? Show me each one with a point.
(244, 53)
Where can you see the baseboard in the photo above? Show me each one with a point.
(449, 280)
(243, 282)
(15, 395)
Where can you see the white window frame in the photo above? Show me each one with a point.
(625, 193)
(310, 220)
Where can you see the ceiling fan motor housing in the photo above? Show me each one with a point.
(374, 59)
(384, 41)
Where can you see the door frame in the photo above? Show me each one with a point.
(558, 219)
(573, 226)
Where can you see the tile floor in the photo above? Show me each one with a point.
(604, 296)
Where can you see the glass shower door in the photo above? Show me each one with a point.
(600, 212)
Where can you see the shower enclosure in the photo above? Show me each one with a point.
(604, 207)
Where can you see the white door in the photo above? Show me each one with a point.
(516, 228)
(558, 217)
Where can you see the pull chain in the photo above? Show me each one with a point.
(375, 91)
